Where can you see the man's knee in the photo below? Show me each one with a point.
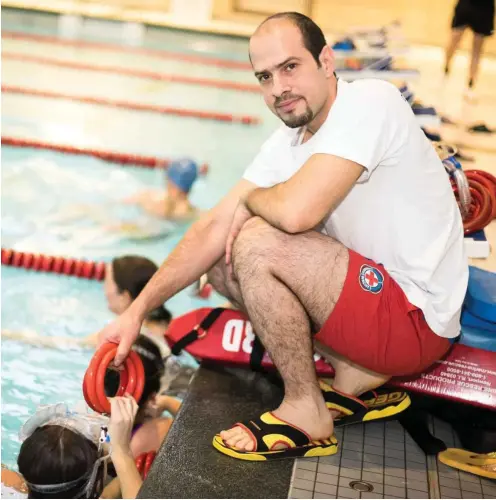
(257, 241)
(217, 277)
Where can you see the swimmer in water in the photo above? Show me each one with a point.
(174, 204)
(125, 277)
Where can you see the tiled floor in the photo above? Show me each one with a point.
(380, 460)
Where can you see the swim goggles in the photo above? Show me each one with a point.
(91, 426)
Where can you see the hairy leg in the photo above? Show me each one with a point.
(289, 285)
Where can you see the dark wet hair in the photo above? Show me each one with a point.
(313, 37)
(153, 364)
(131, 274)
(55, 455)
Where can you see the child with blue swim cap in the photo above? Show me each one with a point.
(174, 204)
(183, 174)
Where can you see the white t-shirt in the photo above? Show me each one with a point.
(402, 212)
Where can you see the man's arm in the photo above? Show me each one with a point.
(301, 202)
(201, 247)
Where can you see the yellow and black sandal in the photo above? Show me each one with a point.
(479, 464)
(268, 432)
(373, 405)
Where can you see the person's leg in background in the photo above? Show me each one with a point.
(477, 45)
(289, 285)
(455, 39)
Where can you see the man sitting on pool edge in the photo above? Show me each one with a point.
(174, 204)
(345, 224)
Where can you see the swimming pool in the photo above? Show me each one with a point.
(41, 188)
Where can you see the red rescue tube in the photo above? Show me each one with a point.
(482, 209)
(132, 378)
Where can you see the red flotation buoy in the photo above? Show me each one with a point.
(132, 378)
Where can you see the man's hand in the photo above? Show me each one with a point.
(241, 215)
(123, 331)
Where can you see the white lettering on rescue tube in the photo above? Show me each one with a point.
(233, 333)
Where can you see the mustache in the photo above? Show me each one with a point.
(285, 98)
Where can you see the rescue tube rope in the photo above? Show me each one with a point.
(475, 190)
(482, 209)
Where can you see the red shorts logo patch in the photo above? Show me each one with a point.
(371, 279)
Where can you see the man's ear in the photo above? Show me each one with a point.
(326, 59)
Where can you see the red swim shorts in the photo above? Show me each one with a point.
(374, 325)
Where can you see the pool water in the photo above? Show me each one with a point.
(64, 205)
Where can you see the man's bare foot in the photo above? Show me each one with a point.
(310, 416)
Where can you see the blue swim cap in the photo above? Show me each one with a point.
(183, 174)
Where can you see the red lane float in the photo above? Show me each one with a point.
(161, 54)
(109, 156)
(132, 378)
(148, 75)
(167, 110)
(482, 211)
(54, 264)
(144, 462)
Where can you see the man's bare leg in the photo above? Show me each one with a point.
(289, 285)
(350, 378)
(346, 379)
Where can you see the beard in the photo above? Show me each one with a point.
(295, 121)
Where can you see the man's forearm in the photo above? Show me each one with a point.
(269, 204)
(201, 247)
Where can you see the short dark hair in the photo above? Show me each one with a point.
(131, 274)
(152, 363)
(55, 455)
(313, 37)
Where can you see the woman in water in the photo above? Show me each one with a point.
(125, 277)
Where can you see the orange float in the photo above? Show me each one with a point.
(132, 378)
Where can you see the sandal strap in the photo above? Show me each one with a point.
(268, 424)
(341, 400)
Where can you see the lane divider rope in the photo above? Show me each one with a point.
(119, 70)
(79, 268)
(109, 47)
(168, 110)
(108, 156)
